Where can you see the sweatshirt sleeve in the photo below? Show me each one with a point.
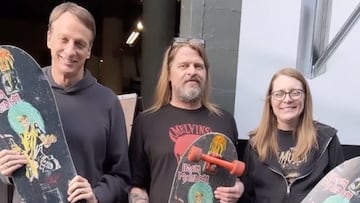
(138, 158)
(115, 182)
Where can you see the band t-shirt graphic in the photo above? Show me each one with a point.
(184, 134)
(291, 168)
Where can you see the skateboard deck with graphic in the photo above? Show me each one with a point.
(340, 185)
(209, 162)
(30, 124)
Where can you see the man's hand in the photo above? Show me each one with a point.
(138, 195)
(10, 161)
(230, 194)
(80, 188)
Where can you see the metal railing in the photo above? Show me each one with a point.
(313, 50)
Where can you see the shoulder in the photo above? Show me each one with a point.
(45, 69)
(104, 98)
(324, 129)
(105, 91)
(150, 119)
(90, 83)
(224, 114)
(150, 114)
(325, 132)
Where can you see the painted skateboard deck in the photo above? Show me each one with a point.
(30, 124)
(210, 161)
(340, 185)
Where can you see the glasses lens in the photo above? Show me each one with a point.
(190, 40)
(180, 40)
(278, 95)
(198, 41)
(296, 93)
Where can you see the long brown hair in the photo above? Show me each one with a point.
(163, 90)
(264, 137)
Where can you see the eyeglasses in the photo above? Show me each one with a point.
(178, 40)
(294, 94)
(183, 40)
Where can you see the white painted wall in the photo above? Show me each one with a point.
(268, 41)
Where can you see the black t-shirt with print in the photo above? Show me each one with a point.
(291, 168)
(159, 138)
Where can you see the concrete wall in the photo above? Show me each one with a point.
(218, 23)
(159, 29)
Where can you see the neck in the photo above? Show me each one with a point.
(286, 126)
(66, 80)
(186, 105)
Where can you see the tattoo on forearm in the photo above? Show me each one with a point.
(137, 198)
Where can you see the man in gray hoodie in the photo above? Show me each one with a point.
(91, 115)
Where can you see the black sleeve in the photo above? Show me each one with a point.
(248, 185)
(138, 159)
(114, 184)
(336, 154)
(235, 135)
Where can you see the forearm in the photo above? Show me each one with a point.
(138, 195)
(112, 189)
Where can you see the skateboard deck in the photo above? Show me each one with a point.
(210, 161)
(340, 185)
(30, 123)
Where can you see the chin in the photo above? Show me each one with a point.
(288, 117)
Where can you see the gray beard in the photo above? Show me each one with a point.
(190, 96)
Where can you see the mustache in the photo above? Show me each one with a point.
(193, 78)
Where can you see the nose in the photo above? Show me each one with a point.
(287, 98)
(70, 49)
(192, 69)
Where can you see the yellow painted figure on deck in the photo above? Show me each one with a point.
(8, 74)
(29, 141)
(33, 140)
(218, 145)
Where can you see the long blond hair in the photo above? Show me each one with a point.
(264, 137)
(163, 89)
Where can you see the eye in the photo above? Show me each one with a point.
(80, 44)
(64, 40)
(278, 94)
(199, 66)
(183, 66)
(296, 93)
